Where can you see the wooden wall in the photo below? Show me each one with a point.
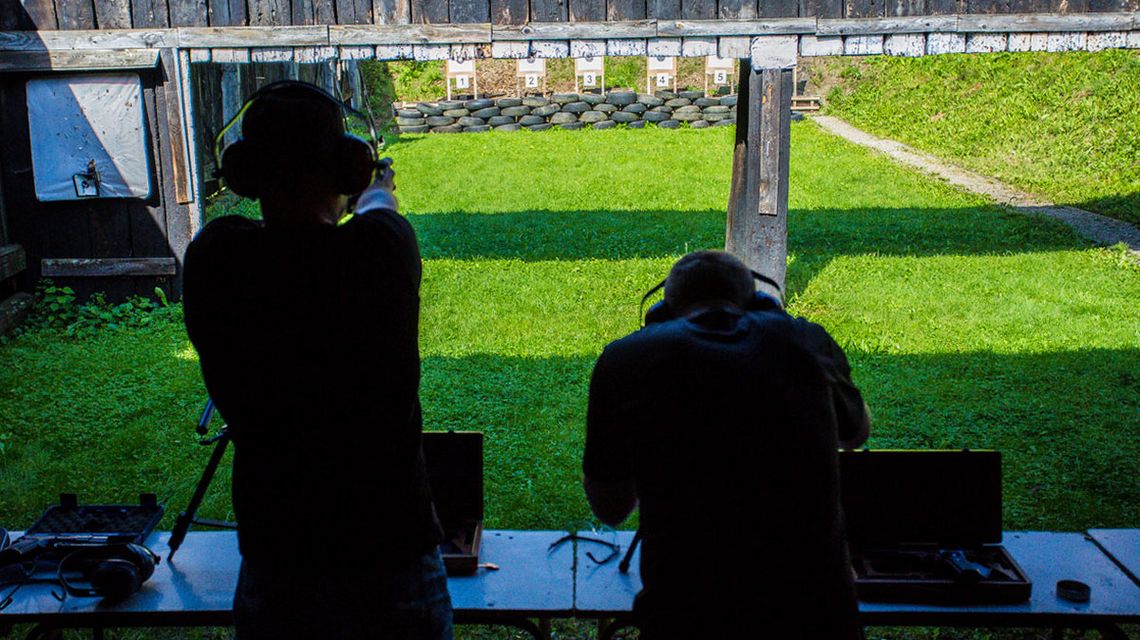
(142, 14)
(120, 246)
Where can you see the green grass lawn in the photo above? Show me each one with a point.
(967, 326)
(1065, 126)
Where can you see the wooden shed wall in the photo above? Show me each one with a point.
(141, 14)
(123, 230)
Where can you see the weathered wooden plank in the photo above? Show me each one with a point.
(821, 8)
(175, 135)
(549, 10)
(113, 14)
(812, 46)
(550, 49)
(734, 47)
(663, 9)
(737, 9)
(1112, 5)
(1106, 40)
(663, 47)
(269, 13)
(393, 11)
(200, 55)
(587, 48)
(87, 39)
(778, 8)
(911, 45)
(419, 34)
(149, 14)
(75, 14)
(698, 10)
(1134, 40)
(587, 10)
(429, 11)
(704, 28)
(906, 7)
(626, 48)
(14, 311)
(938, 43)
(697, 47)
(189, 126)
(431, 52)
(510, 50)
(1024, 23)
(469, 11)
(30, 15)
(868, 26)
(271, 54)
(575, 31)
(1067, 42)
(865, 8)
(620, 10)
(313, 55)
(1028, 41)
(245, 37)
(395, 52)
(85, 60)
(987, 6)
(464, 52)
(188, 13)
(227, 13)
(106, 267)
(357, 53)
(757, 209)
(986, 42)
(773, 52)
(510, 12)
(13, 260)
(945, 7)
(862, 45)
(230, 55)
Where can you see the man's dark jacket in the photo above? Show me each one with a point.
(728, 425)
(308, 343)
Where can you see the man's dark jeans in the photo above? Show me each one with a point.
(406, 603)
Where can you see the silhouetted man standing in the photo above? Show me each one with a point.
(722, 418)
(307, 333)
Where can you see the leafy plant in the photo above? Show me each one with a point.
(417, 81)
(57, 308)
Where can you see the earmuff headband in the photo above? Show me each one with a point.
(345, 110)
(660, 285)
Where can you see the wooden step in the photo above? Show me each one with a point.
(12, 260)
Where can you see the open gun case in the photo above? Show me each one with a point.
(454, 462)
(925, 526)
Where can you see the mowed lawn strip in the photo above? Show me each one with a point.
(1065, 126)
(967, 326)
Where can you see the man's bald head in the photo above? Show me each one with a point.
(708, 276)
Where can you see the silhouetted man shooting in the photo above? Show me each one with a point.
(722, 417)
(307, 334)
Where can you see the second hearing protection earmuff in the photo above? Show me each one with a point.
(350, 159)
(112, 572)
(660, 311)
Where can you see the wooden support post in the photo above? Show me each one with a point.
(757, 226)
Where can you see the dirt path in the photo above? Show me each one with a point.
(1095, 227)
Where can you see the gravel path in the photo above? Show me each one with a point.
(1095, 227)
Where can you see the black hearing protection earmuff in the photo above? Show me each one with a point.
(111, 572)
(350, 159)
(660, 311)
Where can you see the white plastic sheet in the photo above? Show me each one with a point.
(80, 119)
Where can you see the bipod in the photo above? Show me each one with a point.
(190, 515)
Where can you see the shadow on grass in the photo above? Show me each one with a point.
(815, 236)
(1064, 421)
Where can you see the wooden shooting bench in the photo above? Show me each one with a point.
(536, 583)
(97, 244)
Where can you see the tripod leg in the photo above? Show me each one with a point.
(186, 518)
